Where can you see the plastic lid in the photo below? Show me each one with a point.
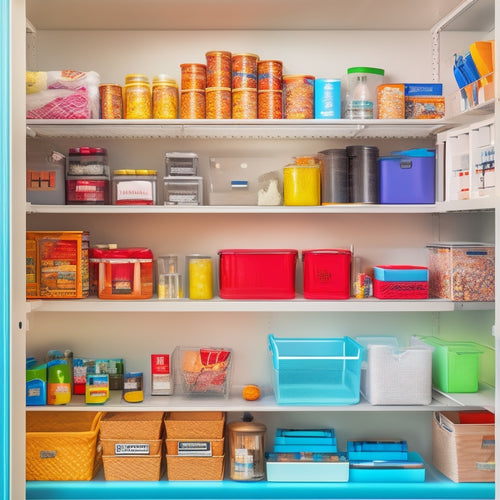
(334, 152)
(121, 253)
(246, 427)
(135, 172)
(164, 80)
(84, 150)
(136, 78)
(215, 52)
(180, 155)
(365, 69)
(246, 54)
(418, 152)
(298, 77)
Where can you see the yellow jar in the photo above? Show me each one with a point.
(200, 277)
(301, 185)
(165, 97)
(138, 100)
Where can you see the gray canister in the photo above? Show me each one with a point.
(334, 176)
(363, 174)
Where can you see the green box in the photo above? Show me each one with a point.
(455, 365)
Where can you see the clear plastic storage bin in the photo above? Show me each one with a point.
(316, 371)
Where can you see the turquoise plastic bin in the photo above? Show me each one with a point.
(316, 371)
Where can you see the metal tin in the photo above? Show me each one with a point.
(244, 103)
(218, 103)
(193, 76)
(218, 68)
(298, 96)
(270, 104)
(244, 71)
(193, 103)
(363, 174)
(334, 176)
(111, 101)
(270, 75)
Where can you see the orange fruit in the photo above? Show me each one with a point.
(251, 392)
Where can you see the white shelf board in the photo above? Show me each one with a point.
(95, 305)
(234, 129)
(267, 403)
(238, 14)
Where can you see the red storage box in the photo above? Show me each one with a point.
(327, 273)
(400, 289)
(257, 274)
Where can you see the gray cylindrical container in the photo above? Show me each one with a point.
(334, 176)
(363, 174)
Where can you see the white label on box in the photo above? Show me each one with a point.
(134, 190)
(194, 448)
(131, 449)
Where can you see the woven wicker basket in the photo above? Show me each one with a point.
(463, 452)
(195, 468)
(130, 468)
(204, 425)
(144, 447)
(132, 425)
(62, 445)
(216, 446)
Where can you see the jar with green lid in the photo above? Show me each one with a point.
(138, 99)
(165, 97)
(134, 187)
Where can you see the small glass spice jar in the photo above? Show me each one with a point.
(165, 97)
(138, 99)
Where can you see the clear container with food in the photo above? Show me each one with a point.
(165, 97)
(134, 187)
(301, 185)
(298, 96)
(361, 96)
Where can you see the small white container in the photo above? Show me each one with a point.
(395, 376)
(361, 97)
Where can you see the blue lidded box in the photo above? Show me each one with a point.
(377, 450)
(305, 440)
(423, 89)
(408, 177)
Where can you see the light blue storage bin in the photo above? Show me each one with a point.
(316, 371)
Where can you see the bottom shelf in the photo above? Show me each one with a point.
(436, 486)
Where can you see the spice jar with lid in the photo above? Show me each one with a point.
(138, 100)
(165, 97)
(246, 450)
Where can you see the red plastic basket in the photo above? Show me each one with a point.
(400, 289)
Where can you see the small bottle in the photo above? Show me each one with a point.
(361, 104)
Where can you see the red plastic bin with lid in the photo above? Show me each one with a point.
(257, 274)
(327, 273)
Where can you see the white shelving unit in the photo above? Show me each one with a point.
(323, 38)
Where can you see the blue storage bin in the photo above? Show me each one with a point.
(377, 450)
(316, 371)
(408, 177)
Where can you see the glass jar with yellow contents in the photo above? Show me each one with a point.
(301, 184)
(138, 100)
(165, 97)
(199, 277)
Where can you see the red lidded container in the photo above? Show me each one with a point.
(327, 273)
(257, 274)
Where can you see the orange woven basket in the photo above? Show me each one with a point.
(144, 447)
(148, 468)
(62, 445)
(195, 468)
(132, 425)
(216, 446)
(204, 425)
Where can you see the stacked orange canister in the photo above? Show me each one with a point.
(244, 86)
(193, 87)
(270, 89)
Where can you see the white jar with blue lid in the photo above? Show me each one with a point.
(361, 96)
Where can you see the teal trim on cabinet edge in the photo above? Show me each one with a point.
(5, 247)
(435, 487)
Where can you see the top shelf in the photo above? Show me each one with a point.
(255, 15)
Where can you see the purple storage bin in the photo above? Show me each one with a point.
(408, 177)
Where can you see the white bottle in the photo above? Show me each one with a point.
(360, 105)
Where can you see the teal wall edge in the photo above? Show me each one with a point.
(4, 246)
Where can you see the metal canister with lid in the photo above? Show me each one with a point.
(246, 451)
(363, 174)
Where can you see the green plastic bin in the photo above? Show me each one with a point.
(455, 365)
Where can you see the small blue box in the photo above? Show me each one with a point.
(401, 273)
(423, 89)
(408, 177)
(305, 436)
(377, 450)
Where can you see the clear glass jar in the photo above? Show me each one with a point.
(165, 97)
(138, 100)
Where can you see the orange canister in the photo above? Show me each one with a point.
(192, 104)
(270, 104)
(165, 97)
(298, 96)
(218, 68)
(218, 105)
(193, 76)
(270, 75)
(244, 104)
(244, 71)
(111, 101)
(138, 100)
